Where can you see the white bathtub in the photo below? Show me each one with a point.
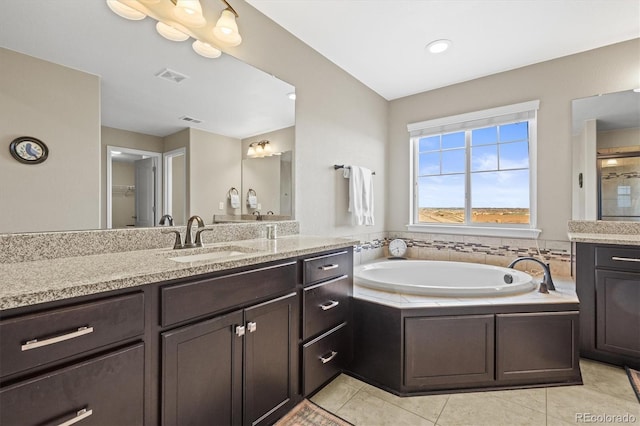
(440, 278)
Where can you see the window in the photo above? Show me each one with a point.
(475, 173)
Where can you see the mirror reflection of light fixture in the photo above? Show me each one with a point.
(610, 163)
(260, 149)
(181, 19)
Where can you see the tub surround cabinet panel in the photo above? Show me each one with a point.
(608, 285)
(426, 350)
(327, 289)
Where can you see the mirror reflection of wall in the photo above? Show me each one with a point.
(270, 178)
(603, 127)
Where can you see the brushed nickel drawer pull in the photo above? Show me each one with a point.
(252, 326)
(328, 358)
(329, 305)
(80, 415)
(35, 343)
(625, 259)
(329, 267)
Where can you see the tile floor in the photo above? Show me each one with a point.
(606, 391)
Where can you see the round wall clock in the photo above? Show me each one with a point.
(29, 150)
(397, 248)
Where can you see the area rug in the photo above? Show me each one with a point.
(309, 414)
(634, 378)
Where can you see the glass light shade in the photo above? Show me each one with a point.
(125, 11)
(251, 151)
(206, 50)
(226, 29)
(170, 33)
(189, 12)
(267, 147)
(259, 150)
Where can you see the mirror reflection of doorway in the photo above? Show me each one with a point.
(133, 187)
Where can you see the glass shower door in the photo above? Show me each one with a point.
(619, 188)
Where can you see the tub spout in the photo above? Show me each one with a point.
(547, 281)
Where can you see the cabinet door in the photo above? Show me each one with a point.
(271, 359)
(448, 350)
(537, 346)
(618, 312)
(202, 373)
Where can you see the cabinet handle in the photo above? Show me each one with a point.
(240, 330)
(80, 415)
(329, 305)
(326, 359)
(625, 259)
(328, 267)
(35, 343)
(252, 326)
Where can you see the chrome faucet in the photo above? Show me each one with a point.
(165, 218)
(188, 243)
(547, 281)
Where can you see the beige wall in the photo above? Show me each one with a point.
(619, 138)
(338, 120)
(555, 83)
(214, 167)
(61, 107)
(263, 176)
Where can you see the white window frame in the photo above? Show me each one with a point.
(525, 111)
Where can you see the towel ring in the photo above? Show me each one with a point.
(232, 191)
(251, 192)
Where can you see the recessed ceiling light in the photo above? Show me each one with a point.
(637, 90)
(116, 152)
(292, 96)
(438, 46)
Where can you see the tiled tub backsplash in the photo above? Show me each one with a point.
(459, 248)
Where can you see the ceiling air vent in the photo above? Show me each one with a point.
(171, 75)
(190, 119)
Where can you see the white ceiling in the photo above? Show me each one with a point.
(381, 42)
(230, 97)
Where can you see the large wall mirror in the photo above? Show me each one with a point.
(137, 126)
(606, 157)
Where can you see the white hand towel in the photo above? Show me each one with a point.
(252, 201)
(235, 201)
(361, 196)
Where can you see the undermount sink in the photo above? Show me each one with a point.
(214, 253)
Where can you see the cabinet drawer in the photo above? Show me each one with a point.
(326, 267)
(37, 339)
(324, 358)
(623, 258)
(110, 389)
(325, 305)
(193, 299)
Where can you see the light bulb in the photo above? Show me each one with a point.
(206, 50)
(125, 11)
(226, 29)
(189, 12)
(170, 33)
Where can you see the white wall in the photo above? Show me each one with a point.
(61, 107)
(555, 83)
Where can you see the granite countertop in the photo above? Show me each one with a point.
(604, 232)
(29, 283)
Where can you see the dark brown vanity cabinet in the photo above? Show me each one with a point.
(608, 285)
(83, 362)
(326, 296)
(236, 368)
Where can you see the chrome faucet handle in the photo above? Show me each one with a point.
(187, 238)
(199, 242)
(166, 217)
(178, 243)
(548, 280)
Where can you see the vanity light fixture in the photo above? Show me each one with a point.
(260, 149)
(179, 20)
(439, 46)
(125, 11)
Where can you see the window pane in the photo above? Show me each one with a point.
(429, 164)
(500, 197)
(485, 136)
(453, 140)
(453, 161)
(514, 155)
(441, 199)
(484, 158)
(514, 132)
(429, 144)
